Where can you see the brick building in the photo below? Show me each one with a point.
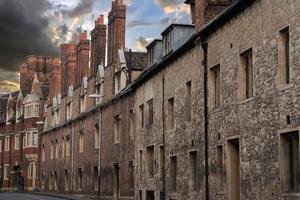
(210, 112)
(21, 119)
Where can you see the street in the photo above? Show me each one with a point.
(24, 196)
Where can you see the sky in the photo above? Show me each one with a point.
(40, 26)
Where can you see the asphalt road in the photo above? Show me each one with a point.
(24, 196)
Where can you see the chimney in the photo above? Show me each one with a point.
(98, 44)
(55, 81)
(68, 67)
(116, 30)
(82, 54)
(203, 11)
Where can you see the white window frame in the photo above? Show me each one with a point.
(1, 146)
(7, 143)
(32, 170)
(31, 110)
(6, 172)
(17, 141)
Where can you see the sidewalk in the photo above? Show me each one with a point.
(67, 196)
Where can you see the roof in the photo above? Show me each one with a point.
(171, 26)
(153, 43)
(136, 60)
(31, 98)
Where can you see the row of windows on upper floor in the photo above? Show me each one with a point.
(30, 139)
(246, 72)
(23, 112)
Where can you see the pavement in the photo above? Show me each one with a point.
(27, 196)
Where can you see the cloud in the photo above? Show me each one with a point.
(138, 23)
(82, 8)
(142, 42)
(23, 31)
(9, 81)
(172, 6)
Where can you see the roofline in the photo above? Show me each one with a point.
(177, 25)
(153, 42)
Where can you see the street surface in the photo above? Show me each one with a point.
(24, 196)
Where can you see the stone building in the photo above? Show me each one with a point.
(210, 112)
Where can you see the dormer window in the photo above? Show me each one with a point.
(56, 116)
(10, 114)
(20, 112)
(69, 110)
(82, 103)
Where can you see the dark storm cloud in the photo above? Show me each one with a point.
(138, 23)
(23, 31)
(84, 7)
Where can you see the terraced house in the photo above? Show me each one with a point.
(209, 112)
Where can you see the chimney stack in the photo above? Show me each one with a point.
(82, 55)
(98, 44)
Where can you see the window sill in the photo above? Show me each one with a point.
(283, 87)
(294, 194)
(247, 100)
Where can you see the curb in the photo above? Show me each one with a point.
(56, 195)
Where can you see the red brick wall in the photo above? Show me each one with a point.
(82, 51)
(98, 44)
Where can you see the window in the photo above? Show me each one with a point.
(55, 180)
(193, 171)
(6, 172)
(68, 146)
(95, 178)
(17, 141)
(79, 182)
(19, 112)
(35, 139)
(290, 163)
(56, 116)
(132, 124)
(7, 143)
(81, 142)
(31, 110)
(188, 101)
(117, 124)
(63, 147)
(56, 149)
(161, 161)
(246, 75)
(141, 116)
(31, 139)
(170, 116)
(67, 180)
(10, 114)
(215, 85)
(0, 145)
(69, 110)
(220, 169)
(82, 103)
(50, 181)
(233, 171)
(97, 137)
(150, 111)
(43, 153)
(284, 56)
(24, 141)
(150, 161)
(131, 174)
(173, 173)
(141, 164)
(32, 170)
(98, 93)
(51, 150)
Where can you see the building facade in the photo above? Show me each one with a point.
(210, 112)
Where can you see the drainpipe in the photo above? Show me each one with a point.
(99, 162)
(204, 47)
(163, 135)
(72, 162)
